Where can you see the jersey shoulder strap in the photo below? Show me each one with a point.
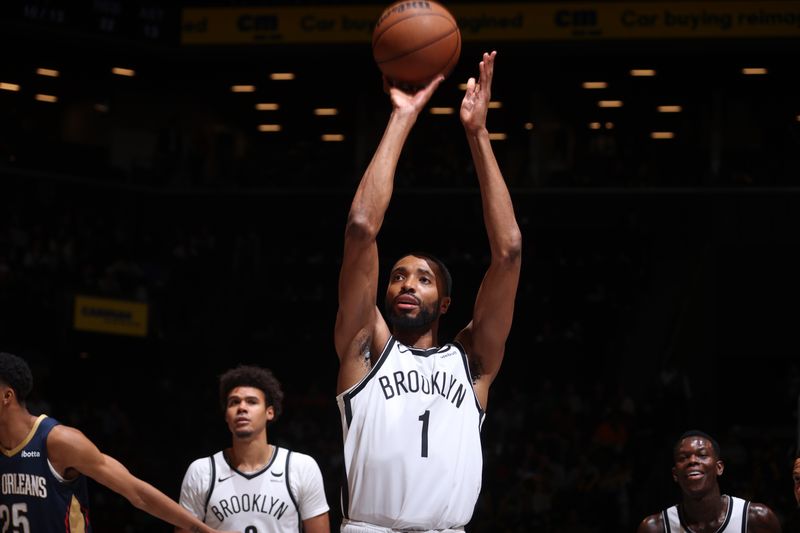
(213, 471)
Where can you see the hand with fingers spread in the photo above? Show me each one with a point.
(408, 102)
(477, 96)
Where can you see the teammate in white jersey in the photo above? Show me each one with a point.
(703, 509)
(411, 408)
(254, 486)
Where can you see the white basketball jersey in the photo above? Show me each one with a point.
(735, 521)
(412, 442)
(253, 503)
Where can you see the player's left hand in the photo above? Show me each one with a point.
(475, 104)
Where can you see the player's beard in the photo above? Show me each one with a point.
(244, 434)
(404, 322)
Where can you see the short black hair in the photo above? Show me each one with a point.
(16, 374)
(256, 377)
(448, 279)
(701, 434)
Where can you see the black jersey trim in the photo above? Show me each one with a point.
(729, 516)
(745, 515)
(289, 490)
(347, 396)
(665, 518)
(254, 474)
(211, 487)
(465, 361)
(344, 497)
(425, 352)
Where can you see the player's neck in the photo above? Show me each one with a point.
(250, 455)
(417, 338)
(15, 425)
(707, 509)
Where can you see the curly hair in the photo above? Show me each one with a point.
(16, 374)
(256, 377)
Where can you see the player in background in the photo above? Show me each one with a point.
(44, 466)
(796, 479)
(255, 486)
(697, 465)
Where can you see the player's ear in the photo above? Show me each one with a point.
(720, 467)
(444, 305)
(674, 475)
(270, 413)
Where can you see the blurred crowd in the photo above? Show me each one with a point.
(577, 437)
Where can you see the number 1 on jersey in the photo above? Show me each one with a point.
(424, 419)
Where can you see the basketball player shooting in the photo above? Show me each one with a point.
(411, 407)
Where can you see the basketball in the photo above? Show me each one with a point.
(415, 41)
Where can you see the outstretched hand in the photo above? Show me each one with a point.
(477, 96)
(408, 102)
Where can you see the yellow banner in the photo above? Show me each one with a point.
(104, 315)
(502, 22)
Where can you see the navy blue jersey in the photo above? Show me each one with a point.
(33, 497)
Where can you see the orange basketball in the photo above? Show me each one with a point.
(414, 41)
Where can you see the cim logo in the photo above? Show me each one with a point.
(583, 18)
(34, 453)
(250, 22)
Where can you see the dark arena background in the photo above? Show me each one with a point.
(182, 213)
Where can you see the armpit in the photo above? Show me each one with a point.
(363, 352)
(475, 368)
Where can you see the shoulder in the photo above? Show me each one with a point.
(760, 518)
(66, 439)
(201, 465)
(68, 448)
(302, 461)
(651, 524)
(197, 477)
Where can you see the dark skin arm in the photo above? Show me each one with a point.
(485, 336)
(317, 524)
(652, 524)
(761, 519)
(70, 453)
(359, 324)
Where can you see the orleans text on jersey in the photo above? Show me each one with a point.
(35, 498)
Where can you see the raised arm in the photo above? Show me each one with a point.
(69, 449)
(485, 337)
(359, 324)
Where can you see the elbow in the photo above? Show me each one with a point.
(140, 502)
(360, 228)
(510, 252)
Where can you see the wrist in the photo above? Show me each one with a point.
(476, 132)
